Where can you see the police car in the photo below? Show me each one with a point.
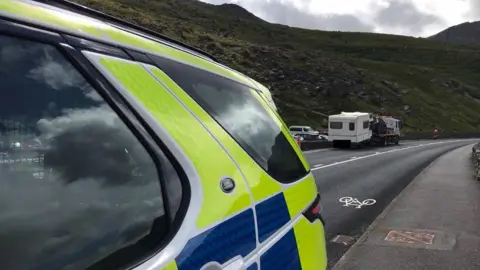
(156, 156)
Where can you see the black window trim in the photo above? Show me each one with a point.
(132, 119)
(82, 43)
(331, 122)
(27, 32)
(366, 124)
(351, 126)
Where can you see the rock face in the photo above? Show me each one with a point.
(465, 34)
(285, 72)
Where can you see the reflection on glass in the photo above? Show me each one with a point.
(240, 113)
(75, 184)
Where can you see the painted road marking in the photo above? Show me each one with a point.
(349, 201)
(410, 237)
(382, 153)
(318, 165)
(353, 157)
(317, 150)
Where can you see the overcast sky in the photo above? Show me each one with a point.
(404, 17)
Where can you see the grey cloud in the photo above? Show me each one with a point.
(90, 202)
(85, 138)
(475, 9)
(403, 14)
(400, 14)
(283, 13)
(54, 73)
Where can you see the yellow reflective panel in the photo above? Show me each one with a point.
(209, 159)
(262, 185)
(300, 195)
(284, 128)
(311, 244)
(171, 266)
(56, 18)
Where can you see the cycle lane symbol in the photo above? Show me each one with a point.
(349, 201)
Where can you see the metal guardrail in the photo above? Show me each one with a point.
(442, 135)
(312, 145)
(476, 160)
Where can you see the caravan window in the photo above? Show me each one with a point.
(365, 125)
(351, 126)
(336, 125)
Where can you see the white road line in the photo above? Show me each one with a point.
(381, 153)
(318, 165)
(353, 157)
(317, 150)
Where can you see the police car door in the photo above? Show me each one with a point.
(217, 229)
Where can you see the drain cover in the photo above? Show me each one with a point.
(409, 237)
(343, 239)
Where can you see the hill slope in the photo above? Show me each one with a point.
(427, 82)
(465, 34)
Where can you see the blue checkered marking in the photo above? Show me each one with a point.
(272, 214)
(233, 237)
(254, 266)
(282, 255)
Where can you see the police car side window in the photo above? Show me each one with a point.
(77, 189)
(239, 112)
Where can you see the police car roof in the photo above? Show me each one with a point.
(77, 8)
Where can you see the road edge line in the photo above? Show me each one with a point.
(385, 211)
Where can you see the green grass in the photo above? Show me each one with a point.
(309, 70)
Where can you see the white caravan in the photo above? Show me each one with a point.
(349, 128)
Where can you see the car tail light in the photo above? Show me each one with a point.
(313, 211)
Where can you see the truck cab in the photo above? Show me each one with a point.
(393, 124)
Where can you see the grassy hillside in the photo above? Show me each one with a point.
(427, 82)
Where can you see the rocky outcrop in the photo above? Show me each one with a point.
(290, 70)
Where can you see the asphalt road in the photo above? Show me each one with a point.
(370, 173)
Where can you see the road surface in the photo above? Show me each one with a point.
(370, 173)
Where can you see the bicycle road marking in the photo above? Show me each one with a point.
(380, 153)
(350, 201)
